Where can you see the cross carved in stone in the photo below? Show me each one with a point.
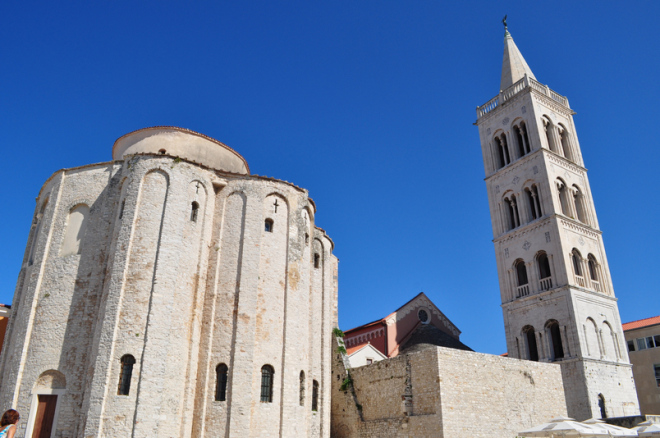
(276, 205)
(197, 191)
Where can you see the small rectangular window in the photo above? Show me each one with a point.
(657, 341)
(631, 345)
(649, 342)
(656, 367)
(641, 344)
(369, 361)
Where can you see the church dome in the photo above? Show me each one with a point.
(179, 142)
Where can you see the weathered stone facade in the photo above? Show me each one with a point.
(183, 263)
(454, 393)
(556, 290)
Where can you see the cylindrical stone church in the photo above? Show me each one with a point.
(169, 293)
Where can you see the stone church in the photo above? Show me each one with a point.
(173, 246)
(171, 293)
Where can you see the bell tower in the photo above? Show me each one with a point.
(557, 295)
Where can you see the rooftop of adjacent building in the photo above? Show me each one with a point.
(646, 322)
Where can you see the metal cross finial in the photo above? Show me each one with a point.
(504, 22)
(276, 205)
(197, 191)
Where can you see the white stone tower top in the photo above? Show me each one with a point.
(514, 66)
(179, 142)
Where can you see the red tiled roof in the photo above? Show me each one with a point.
(641, 323)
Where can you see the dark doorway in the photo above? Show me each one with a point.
(43, 422)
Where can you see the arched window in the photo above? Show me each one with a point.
(267, 373)
(578, 199)
(549, 133)
(268, 225)
(534, 202)
(221, 372)
(502, 151)
(317, 260)
(530, 337)
(521, 276)
(565, 142)
(555, 338)
(512, 216)
(601, 406)
(563, 198)
(302, 388)
(315, 396)
(193, 211)
(576, 259)
(519, 140)
(523, 131)
(545, 276)
(127, 362)
(75, 230)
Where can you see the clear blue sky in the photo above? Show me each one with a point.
(367, 104)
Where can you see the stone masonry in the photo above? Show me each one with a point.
(164, 254)
(454, 393)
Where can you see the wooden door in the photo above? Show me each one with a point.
(43, 422)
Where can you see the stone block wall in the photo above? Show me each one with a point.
(170, 263)
(454, 393)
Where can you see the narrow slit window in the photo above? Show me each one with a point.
(302, 388)
(121, 209)
(127, 362)
(194, 211)
(221, 372)
(267, 373)
(317, 260)
(268, 225)
(315, 396)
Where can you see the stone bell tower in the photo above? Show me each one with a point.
(557, 294)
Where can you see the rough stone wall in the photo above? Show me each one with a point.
(454, 392)
(181, 291)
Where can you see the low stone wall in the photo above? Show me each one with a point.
(454, 393)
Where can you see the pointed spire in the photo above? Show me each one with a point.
(514, 66)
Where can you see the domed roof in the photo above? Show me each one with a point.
(179, 142)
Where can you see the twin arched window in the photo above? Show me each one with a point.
(503, 154)
(522, 286)
(558, 138)
(593, 268)
(525, 208)
(553, 332)
(572, 201)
